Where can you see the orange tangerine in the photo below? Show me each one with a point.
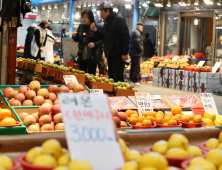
(172, 122)
(165, 123)
(153, 113)
(175, 118)
(135, 112)
(139, 124)
(141, 119)
(159, 120)
(4, 113)
(160, 112)
(129, 112)
(134, 115)
(178, 115)
(8, 121)
(147, 123)
(133, 120)
(169, 114)
(145, 114)
(185, 118)
(176, 110)
(159, 115)
(151, 118)
(197, 119)
(166, 119)
(192, 117)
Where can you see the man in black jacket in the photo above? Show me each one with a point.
(115, 35)
(136, 51)
(28, 40)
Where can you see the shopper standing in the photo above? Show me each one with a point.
(28, 40)
(136, 51)
(115, 34)
(148, 48)
(39, 40)
(50, 40)
(63, 33)
(89, 44)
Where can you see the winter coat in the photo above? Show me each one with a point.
(48, 50)
(136, 43)
(148, 48)
(115, 35)
(38, 41)
(28, 40)
(89, 37)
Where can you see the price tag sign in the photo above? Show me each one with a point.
(175, 58)
(90, 131)
(155, 97)
(216, 66)
(96, 91)
(143, 102)
(201, 63)
(70, 78)
(208, 102)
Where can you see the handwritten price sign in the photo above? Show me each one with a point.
(96, 91)
(143, 102)
(90, 130)
(208, 102)
(70, 78)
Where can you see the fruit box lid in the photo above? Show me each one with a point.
(80, 77)
(105, 86)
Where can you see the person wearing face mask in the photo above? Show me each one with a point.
(89, 44)
(39, 40)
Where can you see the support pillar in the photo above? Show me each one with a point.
(135, 13)
(71, 19)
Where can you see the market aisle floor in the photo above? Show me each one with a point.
(164, 91)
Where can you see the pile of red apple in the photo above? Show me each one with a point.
(119, 118)
(35, 95)
(48, 118)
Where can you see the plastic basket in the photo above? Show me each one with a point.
(198, 111)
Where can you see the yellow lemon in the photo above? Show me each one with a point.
(160, 146)
(217, 122)
(44, 160)
(156, 160)
(130, 166)
(2, 168)
(6, 162)
(64, 151)
(208, 122)
(178, 141)
(220, 137)
(220, 167)
(196, 161)
(123, 146)
(32, 153)
(52, 147)
(133, 155)
(172, 168)
(177, 152)
(61, 168)
(194, 151)
(64, 159)
(80, 165)
(148, 168)
(219, 146)
(212, 143)
(215, 156)
(209, 114)
(203, 166)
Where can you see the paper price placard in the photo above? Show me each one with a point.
(96, 91)
(90, 131)
(201, 63)
(175, 58)
(216, 66)
(143, 102)
(70, 78)
(208, 102)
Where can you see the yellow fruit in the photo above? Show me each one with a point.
(209, 114)
(6, 162)
(219, 146)
(197, 161)
(215, 156)
(32, 153)
(219, 117)
(64, 159)
(123, 146)
(220, 137)
(217, 122)
(156, 160)
(208, 122)
(64, 151)
(220, 167)
(160, 146)
(177, 153)
(178, 141)
(172, 168)
(52, 147)
(212, 143)
(148, 168)
(44, 160)
(132, 155)
(202, 166)
(2, 168)
(194, 151)
(80, 165)
(130, 166)
(61, 168)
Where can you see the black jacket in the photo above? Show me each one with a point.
(148, 48)
(136, 43)
(37, 38)
(90, 36)
(115, 34)
(28, 41)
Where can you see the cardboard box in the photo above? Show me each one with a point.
(187, 86)
(80, 77)
(206, 87)
(109, 87)
(209, 90)
(181, 85)
(125, 92)
(146, 78)
(156, 72)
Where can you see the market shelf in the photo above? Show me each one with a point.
(199, 59)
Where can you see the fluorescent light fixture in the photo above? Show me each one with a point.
(128, 0)
(79, 4)
(196, 21)
(43, 8)
(208, 2)
(89, 4)
(168, 4)
(140, 6)
(77, 15)
(84, 5)
(160, 5)
(188, 3)
(115, 10)
(127, 6)
(181, 3)
(65, 5)
(196, 2)
(98, 2)
(216, 17)
(55, 6)
(49, 7)
(219, 3)
(145, 5)
(93, 3)
(218, 28)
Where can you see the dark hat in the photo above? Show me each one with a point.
(104, 5)
(140, 23)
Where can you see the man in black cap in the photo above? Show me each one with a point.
(115, 35)
(136, 51)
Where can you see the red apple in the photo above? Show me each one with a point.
(9, 92)
(47, 127)
(27, 103)
(23, 89)
(43, 92)
(64, 89)
(44, 109)
(33, 128)
(38, 100)
(23, 115)
(52, 97)
(56, 101)
(53, 89)
(34, 85)
(45, 119)
(55, 109)
(48, 101)
(117, 121)
(20, 97)
(29, 120)
(16, 103)
(30, 94)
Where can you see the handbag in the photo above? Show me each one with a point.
(90, 54)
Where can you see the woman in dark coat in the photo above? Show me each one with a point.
(28, 40)
(85, 36)
(148, 48)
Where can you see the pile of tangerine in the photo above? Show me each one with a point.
(5, 117)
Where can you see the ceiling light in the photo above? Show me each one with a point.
(65, 5)
(55, 6)
(79, 4)
(140, 6)
(196, 2)
(49, 7)
(43, 8)
(127, 6)
(77, 15)
(93, 3)
(158, 4)
(168, 4)
(181, 3)
(84, 5)
(188, 3)
(115, 10)
(219, 3)
(98, 2)
(145, 5)
(128, 0)
(196, 21)
(208, 2)
(89, 4)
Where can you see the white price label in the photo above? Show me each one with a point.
(201, 63)
(70, 78)
(175, 58)
(216, 66)
(155, 97)
(96, 91)
(90, 131)
(143, 102)
(208, 102)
